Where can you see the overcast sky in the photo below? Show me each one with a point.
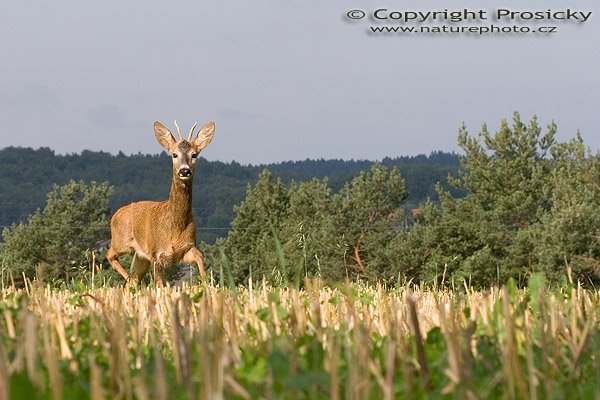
(285, 79)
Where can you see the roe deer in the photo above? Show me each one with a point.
(162, 233)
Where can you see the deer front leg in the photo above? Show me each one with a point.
(113, 258)
(194, 256)
(159, 279)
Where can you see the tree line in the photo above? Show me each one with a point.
(515, 202)
(27, 175)
(531, 205)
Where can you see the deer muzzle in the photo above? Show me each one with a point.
(184, 173)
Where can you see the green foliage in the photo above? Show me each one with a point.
(568, 232)
(251, 244)
(522, 203)
(58, 240)
(307, 244)
(218, 185)
(530, 206)
(282, 343)
(282, 233)
(366, 214)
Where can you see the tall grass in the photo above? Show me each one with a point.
(348, 342)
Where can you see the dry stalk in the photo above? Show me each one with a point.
(414, 318)
(199, 333)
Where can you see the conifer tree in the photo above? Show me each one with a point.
(60, 237)
(251, 243)
(513, 220)
(366, 214)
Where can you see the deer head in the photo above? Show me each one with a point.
(184, 152)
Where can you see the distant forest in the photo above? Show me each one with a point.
(27, 175)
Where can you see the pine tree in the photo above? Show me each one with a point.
(366, 214)
(60, 237)
(306, 243)
(514, 219)
(250, 245)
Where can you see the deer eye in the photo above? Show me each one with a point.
(194, 155)
(174, 155)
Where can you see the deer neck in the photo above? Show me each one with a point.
(180, 203)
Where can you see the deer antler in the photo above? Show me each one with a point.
(192, 132)
(178, 131)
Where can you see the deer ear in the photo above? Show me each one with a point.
(204, 136)
(163, 135)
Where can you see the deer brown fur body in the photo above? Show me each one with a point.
(162, 233)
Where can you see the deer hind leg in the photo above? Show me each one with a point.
(140, 267)
(195, 256)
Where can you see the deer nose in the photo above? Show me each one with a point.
(185, 172)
